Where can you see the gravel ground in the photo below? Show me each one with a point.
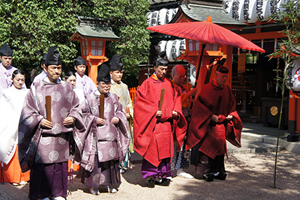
(250, 176)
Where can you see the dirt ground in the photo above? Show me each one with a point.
(250, 176)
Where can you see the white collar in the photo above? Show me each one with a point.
(48, 81)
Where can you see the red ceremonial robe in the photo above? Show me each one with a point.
(153, 137)
(212, 137)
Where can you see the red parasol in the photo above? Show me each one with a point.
(206, 32)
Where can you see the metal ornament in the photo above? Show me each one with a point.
(274, 110)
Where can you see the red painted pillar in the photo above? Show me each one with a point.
(294, 113)
(297, 110)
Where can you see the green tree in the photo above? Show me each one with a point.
(290, 18)
(30, 27)
(128, 20)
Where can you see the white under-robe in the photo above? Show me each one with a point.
(80, 95)
(11, 104)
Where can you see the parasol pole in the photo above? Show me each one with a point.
(208, 19)
(209, 69)
(199, 64)
(195, 86)
(197, 75)
(186, 153)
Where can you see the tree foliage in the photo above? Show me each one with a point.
(290, 17)
(30, 27)
(128, 20)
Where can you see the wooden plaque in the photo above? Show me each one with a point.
(102, 106)
(162, 94)
(48, 107)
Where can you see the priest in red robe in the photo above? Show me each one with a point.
(154, 129)
(214, 119)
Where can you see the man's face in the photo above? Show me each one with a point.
(6, 61)
(160, 71)
(179, 76)
(18, 81)
(53, 72)
(116, 75)
(221, 78)
(80, 69)
(104, 87)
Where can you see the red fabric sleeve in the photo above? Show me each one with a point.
(201, 128)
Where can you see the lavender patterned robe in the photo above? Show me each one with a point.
(50, 145)
(5, 77)
(85, 83)
(109, 141)
(39, 77)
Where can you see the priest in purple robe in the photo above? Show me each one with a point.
(108, 137)
(6, 69)
(83, 82)
(43, 74)
(45, 145)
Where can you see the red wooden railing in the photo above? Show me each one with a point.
(132, 92)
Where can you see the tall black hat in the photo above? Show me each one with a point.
(5, 50)
(161, 59)
(222, 61)
(53, 57)
(79, 61)
(43, 59)
(162, 62)
(163, 54)
(222, 69)
(116, 63)
(153, 53)
(103, 74)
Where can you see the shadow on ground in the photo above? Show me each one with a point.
(250, 176)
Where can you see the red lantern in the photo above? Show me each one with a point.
(93, 34)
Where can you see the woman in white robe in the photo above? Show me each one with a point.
(71, 77)
(11, 104)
